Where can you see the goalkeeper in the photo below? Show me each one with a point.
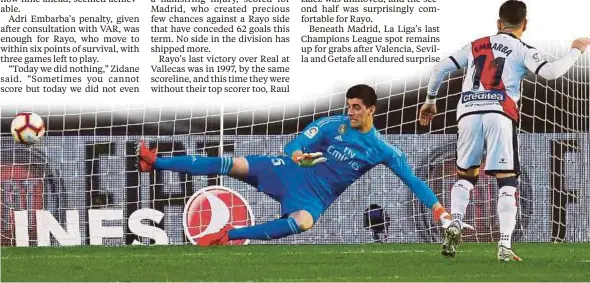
(322, 162)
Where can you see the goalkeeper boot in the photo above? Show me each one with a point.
(452, 239)
(506, 254)
(215, 239)
(146, 157)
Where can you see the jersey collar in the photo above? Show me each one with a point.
(370, 131)
(508, 33)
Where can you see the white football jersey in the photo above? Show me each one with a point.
(496, 66)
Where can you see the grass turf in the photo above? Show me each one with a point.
(369, 262)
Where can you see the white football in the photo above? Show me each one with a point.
(27, 127)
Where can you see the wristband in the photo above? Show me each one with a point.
(430, 99)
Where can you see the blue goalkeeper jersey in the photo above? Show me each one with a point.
(350, 154)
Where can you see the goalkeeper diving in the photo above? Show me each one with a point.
(321, 163)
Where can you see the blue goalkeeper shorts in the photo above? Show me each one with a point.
(286, 182)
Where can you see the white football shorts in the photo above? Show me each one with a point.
(491, 131)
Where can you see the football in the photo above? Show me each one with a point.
(27, 127)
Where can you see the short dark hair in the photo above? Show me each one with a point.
(364, 93)
(513, 13)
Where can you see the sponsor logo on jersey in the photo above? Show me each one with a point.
(471, 96)
(211, 208)
(342, 129)
(347, 155)
(338, 138)
(311, 132)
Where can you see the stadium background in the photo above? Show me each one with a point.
(86, 161)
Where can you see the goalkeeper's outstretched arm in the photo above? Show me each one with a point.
(555, 69)
(399, 165)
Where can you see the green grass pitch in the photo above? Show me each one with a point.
(367, 262)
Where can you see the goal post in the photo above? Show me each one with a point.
(79, 185)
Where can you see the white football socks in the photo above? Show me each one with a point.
(460, 199)
(507, 210)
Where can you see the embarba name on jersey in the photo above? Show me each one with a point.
(495, 46)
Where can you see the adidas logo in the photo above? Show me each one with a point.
(339, 138)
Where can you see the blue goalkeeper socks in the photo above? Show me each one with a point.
(196, 165)
(270, 230)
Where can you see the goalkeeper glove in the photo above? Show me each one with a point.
(309, 159)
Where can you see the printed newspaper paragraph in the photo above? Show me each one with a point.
(351, 31)
(218, 46)
(128, 47)
(60, 51)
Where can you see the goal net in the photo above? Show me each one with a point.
(79, 185)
